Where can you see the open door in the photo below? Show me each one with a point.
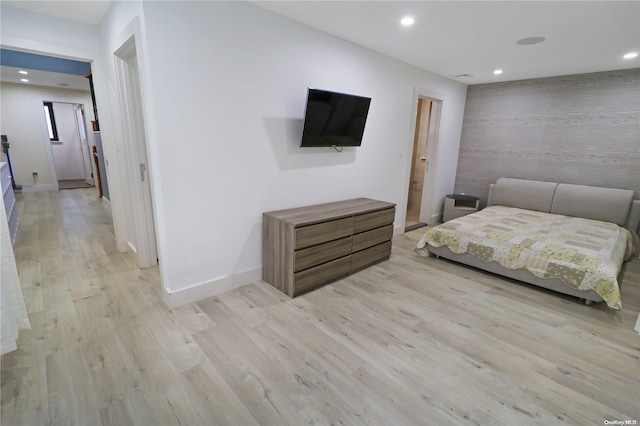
(141, 236)
(78, 112)
(421, 179)
(69, 145)
(419, 165)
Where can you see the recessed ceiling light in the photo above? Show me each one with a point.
(23, 72)
(407, 21)
(24, 80)
(630, 55)
(497, 72)
(530, 40)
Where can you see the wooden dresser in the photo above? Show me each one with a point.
(307, 247)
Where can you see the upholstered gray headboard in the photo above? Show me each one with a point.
(606, 204)
(523, 194)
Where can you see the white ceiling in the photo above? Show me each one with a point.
(44, 78)
(477, 37)
(84, 11)
(455, 37)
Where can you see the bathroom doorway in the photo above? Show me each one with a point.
(425, 138)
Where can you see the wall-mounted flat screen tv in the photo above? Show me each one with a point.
(334, 119)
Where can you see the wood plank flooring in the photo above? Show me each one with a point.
(73, 184)
(410, 341)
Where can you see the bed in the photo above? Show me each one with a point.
(569, 238)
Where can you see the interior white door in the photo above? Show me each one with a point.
(426, 214)
(78, 111)
(67, 150)
(142, 239)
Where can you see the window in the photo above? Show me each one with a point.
(51, 121)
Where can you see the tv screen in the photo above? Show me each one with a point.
(334, 119)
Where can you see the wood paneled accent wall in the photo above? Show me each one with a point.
(581, 129)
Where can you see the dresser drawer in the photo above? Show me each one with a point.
(370, 256)
(321, 253)
(314, 277)
(368, 221)
(311, 235)
(371, 238)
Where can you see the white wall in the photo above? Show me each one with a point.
(22, 120)
(228, 90)
(67, 154)
(223, 90)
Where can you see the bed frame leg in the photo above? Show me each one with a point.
(587, 302)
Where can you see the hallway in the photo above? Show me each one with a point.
(103, 348)
(80, 293)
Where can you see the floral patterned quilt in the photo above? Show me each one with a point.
(585, 254)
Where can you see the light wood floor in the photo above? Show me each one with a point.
(409, 341)
(73, 184)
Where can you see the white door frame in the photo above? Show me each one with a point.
(428, 188)
(102, 87)
(81, 128)
(430, 164)
(142, 238)
(53, 173)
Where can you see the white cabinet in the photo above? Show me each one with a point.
(9, 201)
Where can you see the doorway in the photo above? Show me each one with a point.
(70, 148)
(140, 226)
(424, 141)
(78, 112)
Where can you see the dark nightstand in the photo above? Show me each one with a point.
(458, 205)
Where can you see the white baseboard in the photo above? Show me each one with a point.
(398, 230)
(132, 248)
(122, 245)
(39, 188)
(435, 219)
(107, 203)
(211, 288)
